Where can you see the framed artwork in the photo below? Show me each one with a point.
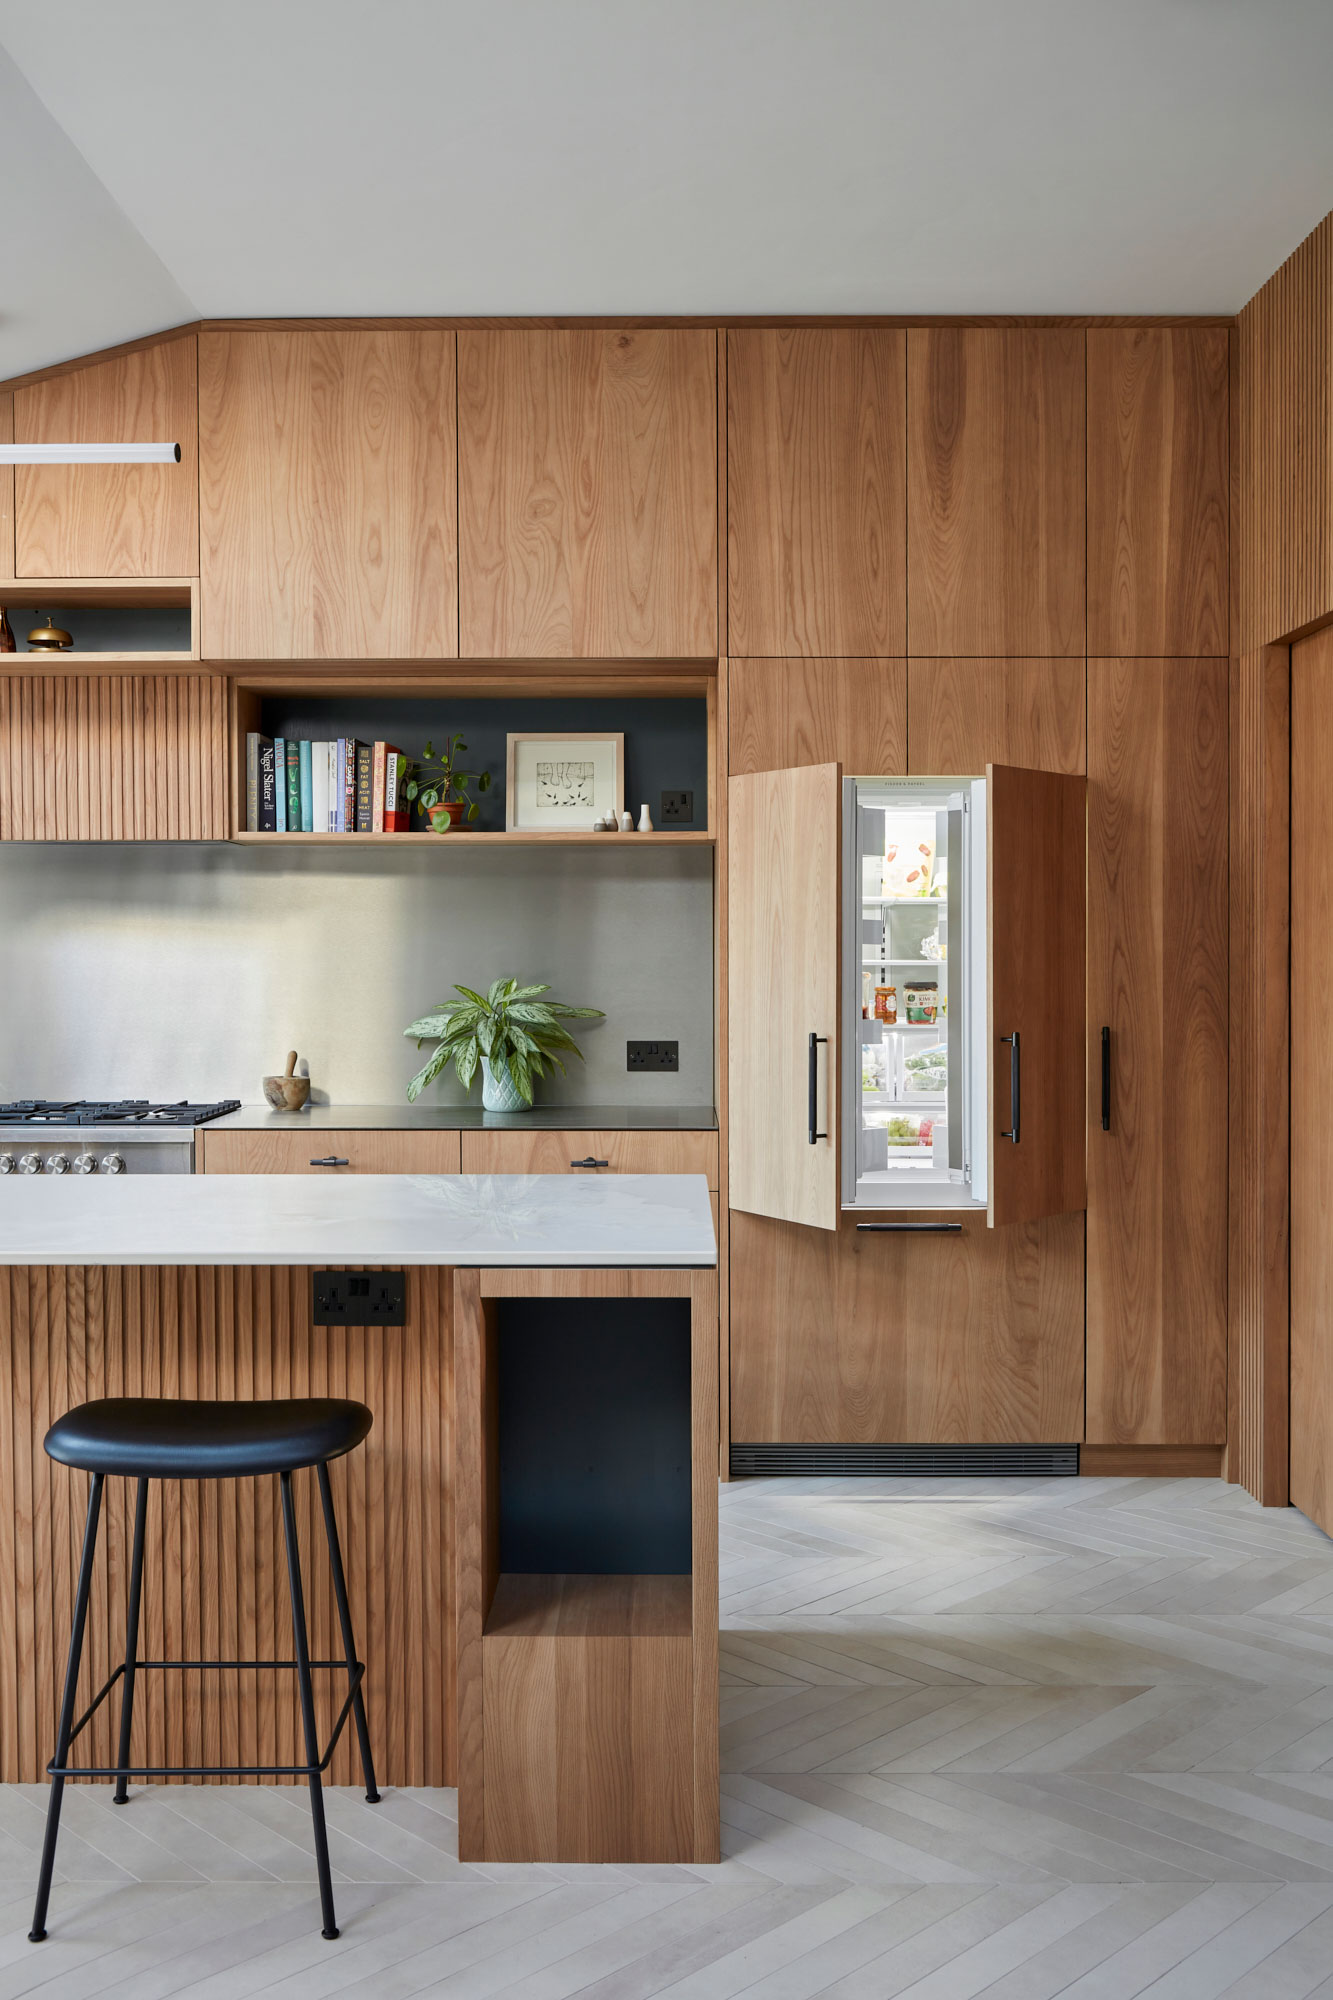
(559, 783)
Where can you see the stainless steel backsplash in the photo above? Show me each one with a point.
(189, 971)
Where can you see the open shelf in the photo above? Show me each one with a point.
(152, 598)
(461, 838)
(568, 1606)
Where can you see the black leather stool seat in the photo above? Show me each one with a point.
(158, 1437)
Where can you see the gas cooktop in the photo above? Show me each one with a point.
(33, 1111)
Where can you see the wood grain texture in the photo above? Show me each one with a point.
(296, 1152)
(6, 492)
(817, 520)
(995, 492)
(784, 891)
(965, 714)
(112, 520)
(841, 1338)
(1311, 1080)
(1151, 1461)
(1037, 865)
(790, 712)
(623, 1152)
(128, 757)
(587, 475)
(328, 496)
(1158, 977)
(215, 1582)
(1158, 499)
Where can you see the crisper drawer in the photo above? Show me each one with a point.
(591, 1153)
(324, 1152)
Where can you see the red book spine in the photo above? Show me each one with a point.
(397, 811)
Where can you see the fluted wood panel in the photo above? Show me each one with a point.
(113, 757)
(1158, 491)
(112, 520)
(215, 1576)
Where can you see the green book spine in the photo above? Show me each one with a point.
(293, 786)
(364, 765)
(307, 796)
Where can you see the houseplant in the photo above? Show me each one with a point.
(441, 788)
(512, 1033)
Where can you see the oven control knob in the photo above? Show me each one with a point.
(57, 1163)
(112, 1163)
(8, 1164)
(86, 1163)
(30, 1163)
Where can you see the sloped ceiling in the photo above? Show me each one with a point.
(304, 157)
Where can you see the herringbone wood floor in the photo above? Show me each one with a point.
(1003, 1738)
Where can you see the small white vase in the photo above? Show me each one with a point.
(497, 1089)
(645, 820)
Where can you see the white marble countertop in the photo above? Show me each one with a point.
(627, 1220)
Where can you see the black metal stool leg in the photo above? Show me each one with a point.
(307, 1708)
(345, 1621)
(66, 1727)
(121, 1795)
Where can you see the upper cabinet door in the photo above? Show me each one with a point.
(111, 520)
(1036, 863)
(327, 496)
(995, 491)
(817, 519)
(784, 893)
(587, 473)
(1157, 491)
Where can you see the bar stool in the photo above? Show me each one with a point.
(146, 1438)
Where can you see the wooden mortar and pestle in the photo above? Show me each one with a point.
(289, 1092)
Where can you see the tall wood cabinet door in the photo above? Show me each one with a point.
(817, 520)
(587, 479)
(784, 889)
(112, 520)
(1036, 855)
(328, 473)
(995, 491)
(1157, 490)
(113, 757)
(1157, 1051)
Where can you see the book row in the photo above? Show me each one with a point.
(293, 785)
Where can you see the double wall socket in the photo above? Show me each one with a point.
(360, 1298)
(652, 1055)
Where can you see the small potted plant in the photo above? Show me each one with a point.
(441, 788)
(510, 1031)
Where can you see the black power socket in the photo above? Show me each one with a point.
(360, 1298)
(652, 1055)
(677, 808)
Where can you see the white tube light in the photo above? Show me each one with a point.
(90, 454)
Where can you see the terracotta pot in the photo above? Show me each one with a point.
(446, 816)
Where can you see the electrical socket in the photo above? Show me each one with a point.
(652, 1055)
(360, 1298)
(677, 807)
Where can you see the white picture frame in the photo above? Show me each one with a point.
(562, 781)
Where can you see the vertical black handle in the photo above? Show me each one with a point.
(815, 1040)
(1106, 1079)
(1015, 1083)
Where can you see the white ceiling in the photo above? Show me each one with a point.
(174, 158)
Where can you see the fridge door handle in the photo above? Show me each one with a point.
(1015, 1083)
(1106, 1079)
(815, 1040)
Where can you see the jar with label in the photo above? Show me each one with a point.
(886, 1004)
(923, 1001)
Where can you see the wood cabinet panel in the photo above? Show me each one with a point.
(112, 520)
(1158, 494)
(616, 1153)
(328, 471)
(587, 474)
(845, 1337)
(215, 1582)
(816, 462)
(965, 714)
(354, 1152)
(1157, 977)
(6, 491)
(782, 713)
(995, 491)
(113, 757)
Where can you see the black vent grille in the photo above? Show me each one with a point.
(905, 1461)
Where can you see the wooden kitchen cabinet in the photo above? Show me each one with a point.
(816, 459)
(789, 712)
(1157, 979)
(111, 520)
(1158, 494)
(965, 714)
(587, 481)
(570, 1152)
(995, 491)
(325, 1152)
(327, 487)
(113, 757)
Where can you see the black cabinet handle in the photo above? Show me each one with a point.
(815, 1040)
(1106, 1079)
(913, 1228)
(1015, 1080)
(331, 1161)
(590, 1162)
